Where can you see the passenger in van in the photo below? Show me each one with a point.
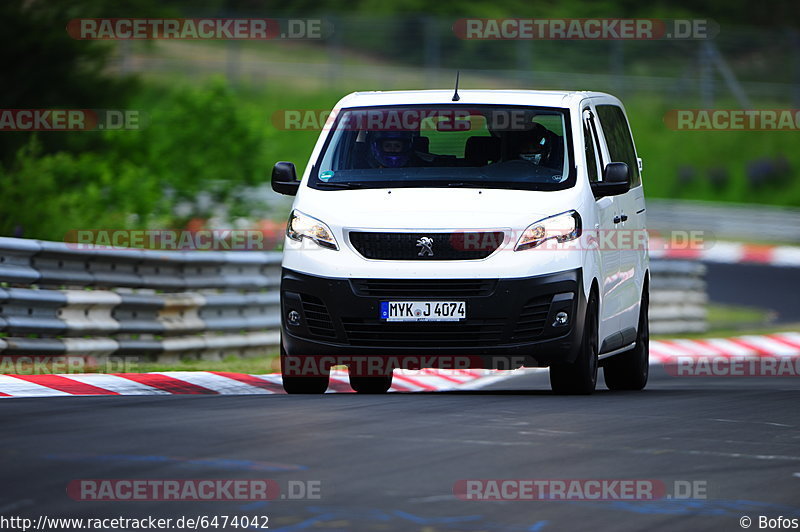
(535, 153)
(537, 145)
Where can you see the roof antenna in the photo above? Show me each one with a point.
(456, 97)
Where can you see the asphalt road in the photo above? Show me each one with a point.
(756, 285)
(389, 463)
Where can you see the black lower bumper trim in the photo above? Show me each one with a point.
(509, 324)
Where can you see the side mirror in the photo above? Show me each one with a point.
(284, 179)
(616, 181)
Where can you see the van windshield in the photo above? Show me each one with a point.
(459, 145)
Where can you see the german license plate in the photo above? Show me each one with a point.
(423, 310)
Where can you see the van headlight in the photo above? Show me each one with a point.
(302, 226)
(561, 228)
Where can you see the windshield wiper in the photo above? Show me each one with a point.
(324, 184)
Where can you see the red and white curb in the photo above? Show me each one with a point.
(750, 346)
(729, 253)
(223, 383)
(219, 383)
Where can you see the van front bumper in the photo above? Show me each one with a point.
(509, 322)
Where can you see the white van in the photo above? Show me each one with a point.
(486, 228)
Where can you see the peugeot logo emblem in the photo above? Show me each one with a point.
(425, 244)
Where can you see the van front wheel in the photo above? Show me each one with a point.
(295, 381)
(580, 376)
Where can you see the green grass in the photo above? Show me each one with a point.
(732, 320)
(253, 365)
(665, 152)
(732, 316)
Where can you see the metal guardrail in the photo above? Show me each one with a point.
(678, 297)
(59, 300)
(755, 223)
(56, 299)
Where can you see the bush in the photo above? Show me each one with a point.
(195, 140)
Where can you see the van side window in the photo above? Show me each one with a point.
(591, 160)
(618, 139)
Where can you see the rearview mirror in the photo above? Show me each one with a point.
(284, 178)
(616, 181)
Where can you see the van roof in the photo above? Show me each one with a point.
(477, 97)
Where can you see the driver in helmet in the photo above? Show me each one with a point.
(391, 149)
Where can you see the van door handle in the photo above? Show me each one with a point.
(617, 219)
(624, 217)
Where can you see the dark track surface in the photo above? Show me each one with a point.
(389, 463)
(754, 285)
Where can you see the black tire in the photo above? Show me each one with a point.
(629, 370)
(580, 376)
(373, 385)
(294, 382)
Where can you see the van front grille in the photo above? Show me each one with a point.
(427, 246)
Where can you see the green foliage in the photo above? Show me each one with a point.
(194, 140)
(47, 195)
(667, 152)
